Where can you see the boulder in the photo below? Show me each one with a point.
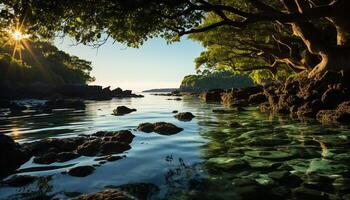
(81, 171)
(213, 95)
(12, 155)
(122, 110)
(184, 116)
(161, 128)
(146, 127)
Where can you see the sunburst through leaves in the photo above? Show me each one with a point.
(18, 38)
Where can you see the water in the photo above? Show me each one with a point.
(208, 156)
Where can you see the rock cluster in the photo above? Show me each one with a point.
(162, 128)
(325, 97)
(106, 194)
(64, 149)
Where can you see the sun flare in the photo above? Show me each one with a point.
(17, 35)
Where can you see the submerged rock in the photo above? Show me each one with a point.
(81, 171)
(234, 125)
(309, 194)
(226, 163)
(271, 155)
(122, 110)
(142, 191)
(106, 195)
(20, 180)
(184, 116)
(162, 128)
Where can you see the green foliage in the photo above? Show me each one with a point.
(241, 50)
(214, 80)
(41, 62)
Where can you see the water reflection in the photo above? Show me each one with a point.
(261, 157)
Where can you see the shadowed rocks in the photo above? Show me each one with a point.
(64, 149)
(12, 155)
(161, 128)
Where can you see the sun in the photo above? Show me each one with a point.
(17, 35)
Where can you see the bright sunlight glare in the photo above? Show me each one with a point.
(18, 35)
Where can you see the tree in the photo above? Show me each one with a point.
(39, 62)
(321, 25)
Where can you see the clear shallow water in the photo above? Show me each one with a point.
(193, 161)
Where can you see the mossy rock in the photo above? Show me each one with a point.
(271, 155)
(226, 163)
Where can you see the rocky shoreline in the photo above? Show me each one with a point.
(44, 91)
(325, 97)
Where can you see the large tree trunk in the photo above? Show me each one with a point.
(333, 56)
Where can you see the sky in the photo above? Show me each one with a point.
(155, 64)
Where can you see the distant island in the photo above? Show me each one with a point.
(162, 90)
(215, 80)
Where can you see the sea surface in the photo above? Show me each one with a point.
(209, 159)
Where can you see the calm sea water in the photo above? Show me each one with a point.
(191, 161)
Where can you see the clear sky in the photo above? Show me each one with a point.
(154, 65)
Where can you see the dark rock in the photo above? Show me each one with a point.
(113, 147)
(334, 96)
(122, 110)
(81, 171)
(146, 127)
(106, 195)
(121, 136)
(161, 128)
(113, 158)
(90, 148)
(176, 99)
(234, 125)
(279, 175)
(20, 180)
(280, 192)
(58, 144)
(265, 107)
(12, 155)
(232, 110)
(142, 191)
(164, 128)
(52, 157)
(213, 95)
(175, 111)
(117, 91)
(309, 194)
(185, 116)
(62, 103)
(257, 98)
(331, 116)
